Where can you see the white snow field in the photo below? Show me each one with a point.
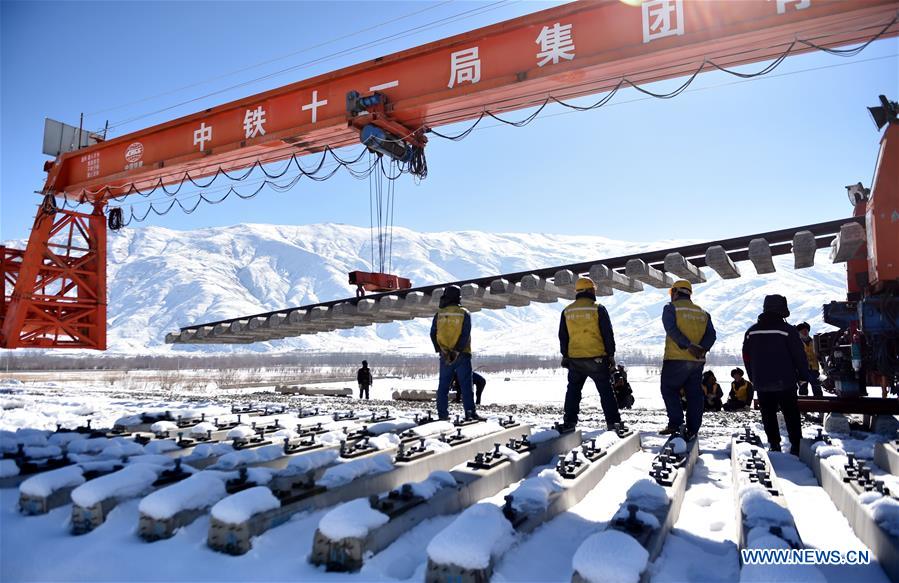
(701, 547)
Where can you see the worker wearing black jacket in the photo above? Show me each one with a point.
(776, 362)
(364, 379)
(587, 344)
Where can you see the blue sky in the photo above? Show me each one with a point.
(724, 159)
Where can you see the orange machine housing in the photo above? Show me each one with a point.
(882, 215)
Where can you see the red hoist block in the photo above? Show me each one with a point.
(377, 282)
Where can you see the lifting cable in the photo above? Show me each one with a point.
(381, 209)
(418, 164)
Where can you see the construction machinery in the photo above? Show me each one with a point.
(864, 351)
(55, 288)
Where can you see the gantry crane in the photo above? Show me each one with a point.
(56, 287)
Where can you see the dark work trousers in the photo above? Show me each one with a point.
(769, 403)
(814, 381)
(479, 383)
(461, 367)
(363, 390)
(686, 374)
(579, 370)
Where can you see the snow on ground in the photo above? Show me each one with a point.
(433, 483)
(820, 524)
(700, 548)
(198, 491)
(46, 483)
(610, 555)
(240, 507)
(532, 495)
(702, 544)
(125, 483)
(355, 518)
(556, 542)
(313, 460)
(346, 472)
(478, 534)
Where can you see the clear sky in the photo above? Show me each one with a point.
(726, 158)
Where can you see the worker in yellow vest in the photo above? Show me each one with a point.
(587, 344)
(689, 336)
(813, 367)
(451, 337)
(740, 395)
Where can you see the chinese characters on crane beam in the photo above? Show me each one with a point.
(465, 67)
(797, 5)
(202, 135)
(253, 121)
(662, 18)
(555, 43)
(314, 105)
(383, 86)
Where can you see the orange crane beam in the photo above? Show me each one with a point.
(568, 51)
(58, 283)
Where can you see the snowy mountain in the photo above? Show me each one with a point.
(160, 279)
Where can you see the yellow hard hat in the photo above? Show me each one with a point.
(584, 284)
(683, 285)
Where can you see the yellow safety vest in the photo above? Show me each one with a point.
(810, 354)
(692, 322)
(741, 391)
(584, 337)
(449, 327)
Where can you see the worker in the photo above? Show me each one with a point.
(624, 394)
(689, 336)
(587, 343)
(740, 395)
(477, 380)
(712, 392)
(451, 337)
(813, 368)
(776, 362)
(364, 379)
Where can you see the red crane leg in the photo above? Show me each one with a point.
(58, 297)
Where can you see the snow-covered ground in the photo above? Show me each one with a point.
(701, 547)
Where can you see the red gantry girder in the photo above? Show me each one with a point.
(568, 51)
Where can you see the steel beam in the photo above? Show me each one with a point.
(719, 255)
